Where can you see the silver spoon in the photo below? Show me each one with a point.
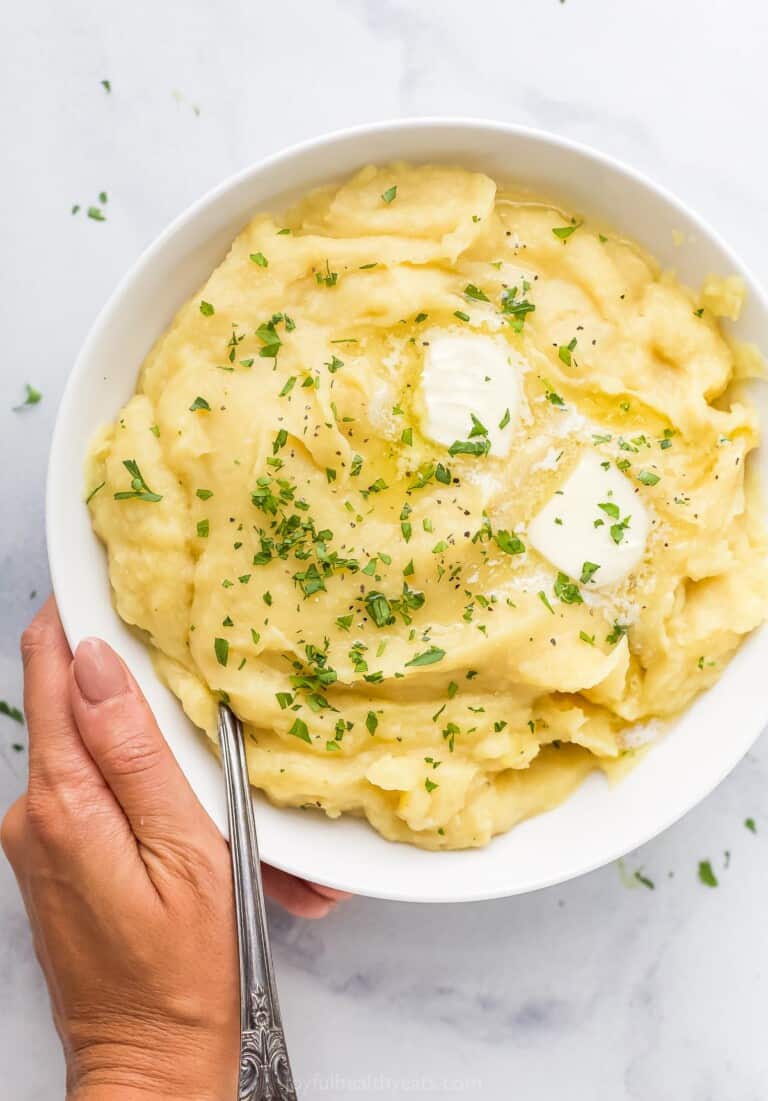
(265, 1073)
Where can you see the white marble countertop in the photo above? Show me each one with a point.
(591, 991)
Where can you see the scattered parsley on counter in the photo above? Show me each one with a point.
(139, 491)
(96, 214)
(11, 712)
(33, 397)
(706, 875)
(106, 85)
(646, 882)
(749, 823)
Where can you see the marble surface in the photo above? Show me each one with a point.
(594, 990)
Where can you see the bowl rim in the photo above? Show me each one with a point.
(306, 146)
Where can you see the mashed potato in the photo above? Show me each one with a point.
(444, 491)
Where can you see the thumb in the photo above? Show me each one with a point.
(121, 735)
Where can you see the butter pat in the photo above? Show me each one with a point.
(466, 373)
(594, 519)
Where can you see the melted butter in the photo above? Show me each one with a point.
(465, 374)
(594, 517)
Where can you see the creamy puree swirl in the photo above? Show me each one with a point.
(444, 491)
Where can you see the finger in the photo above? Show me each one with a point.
(120, 732)
(56, 751)
(294, 894)
(330, 892)
(12, 832)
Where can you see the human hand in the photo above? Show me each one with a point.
(127, 885)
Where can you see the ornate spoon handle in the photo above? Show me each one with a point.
(265, 1073)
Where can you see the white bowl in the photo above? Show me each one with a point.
(597, 824)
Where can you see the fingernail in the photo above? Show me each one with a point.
(99, 673)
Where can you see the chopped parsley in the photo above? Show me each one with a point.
(390, 194)
(554, 398)
(461, 315)
(33, 397)
(516, 309)
(139, 490)
(199, 404)
(477, 444)
(564, 232)
(300, 730)
(94, 491)
(543, 598)
(330, 279)
(430, 785)
(648, 478)
(619, 630)
(427, 657)
(11, 712)
(567, 591)
(475, 293)
(565, 352)
(206, 309)
(221, 649)
(203, 529)
(588, 571)
(509, 542)
(706, 875)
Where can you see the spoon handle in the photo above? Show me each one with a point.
(265, 1073)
